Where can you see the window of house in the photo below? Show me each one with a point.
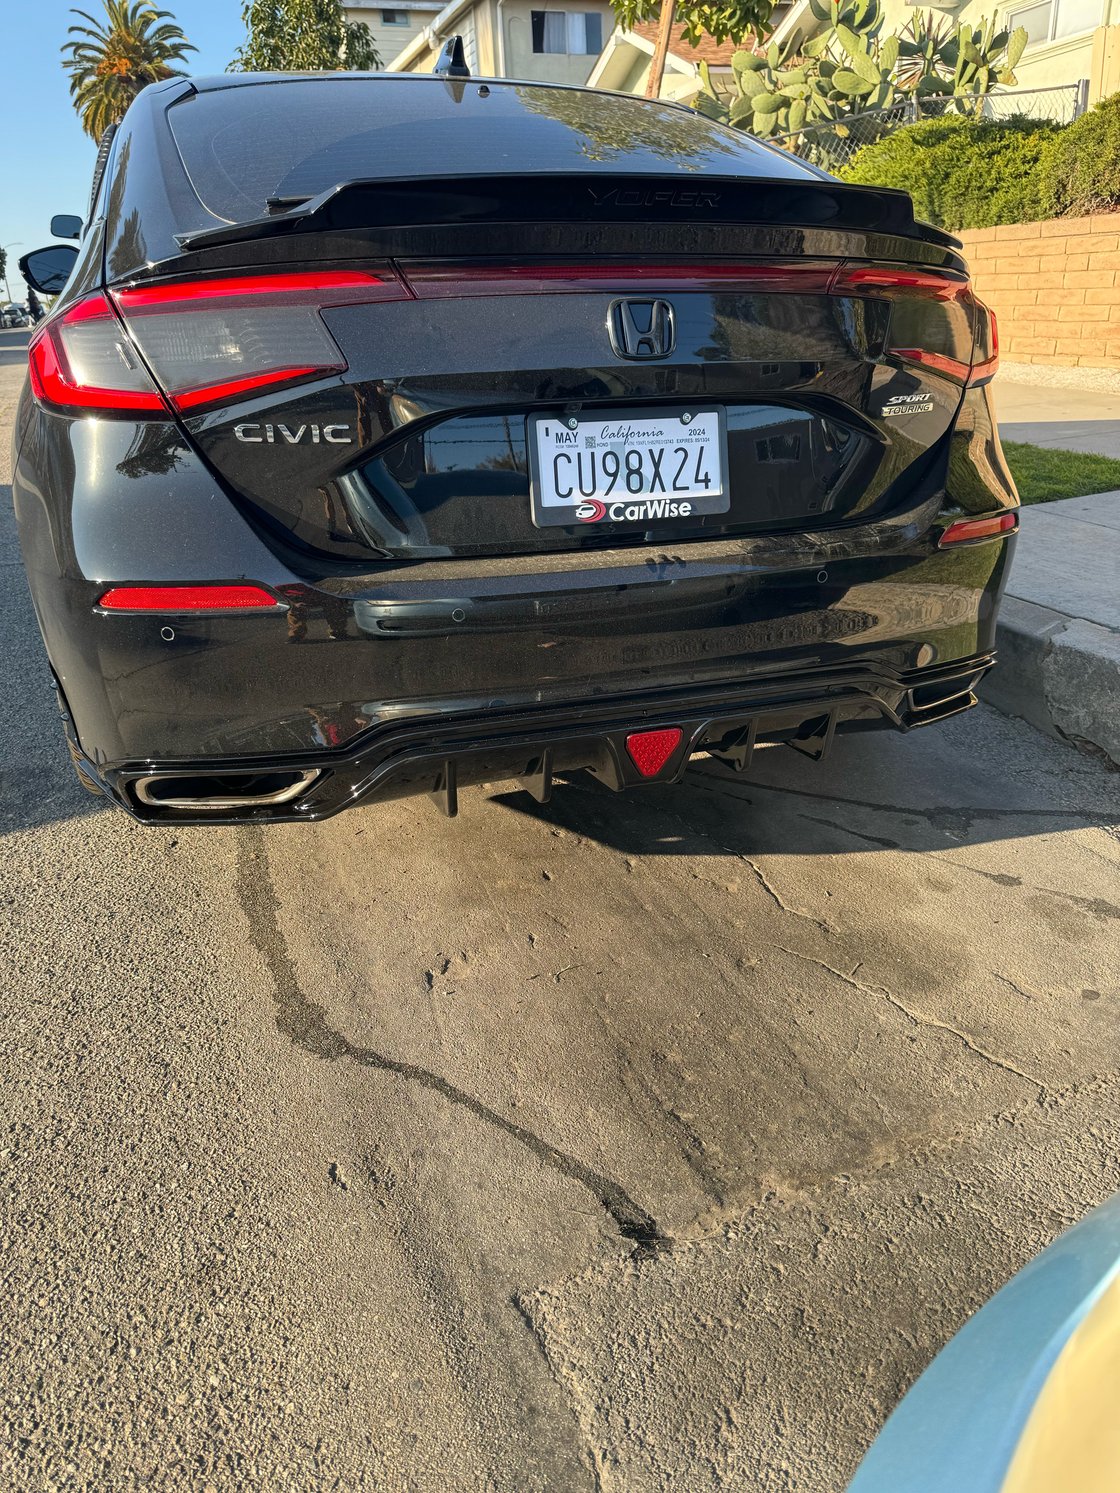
(394, 17)
(574, 33)
(1052, 19)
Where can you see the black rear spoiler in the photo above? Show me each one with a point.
(678, 198)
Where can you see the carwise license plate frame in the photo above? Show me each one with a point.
(585, 438)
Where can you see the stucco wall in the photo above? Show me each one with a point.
(1055, 289)
(1043, 65)
(1056, 63)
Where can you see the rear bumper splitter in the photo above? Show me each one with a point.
(439, 754)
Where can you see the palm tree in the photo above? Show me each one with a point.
(112, 60)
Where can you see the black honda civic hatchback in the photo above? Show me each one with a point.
(395, 433)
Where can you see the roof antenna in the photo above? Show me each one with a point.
(452, 61)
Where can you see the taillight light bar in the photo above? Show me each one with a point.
(440, 279)
(316, 288)
(195, 344)
(969, 530)
(447, 279)
(233, 598)
(435, 278)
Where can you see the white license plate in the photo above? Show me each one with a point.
(628, 469)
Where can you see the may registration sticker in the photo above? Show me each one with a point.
(639, 469)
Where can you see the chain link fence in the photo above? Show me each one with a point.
(833, 143)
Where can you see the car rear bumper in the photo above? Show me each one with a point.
(439, 754)
(454, 639)
(510, 666)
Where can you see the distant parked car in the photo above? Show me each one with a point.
(15, 316)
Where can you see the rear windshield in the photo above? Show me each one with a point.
(243, 145)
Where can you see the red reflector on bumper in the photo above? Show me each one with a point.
(966, 530)
(650, 750)
(189, 599)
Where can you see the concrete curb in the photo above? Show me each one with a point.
(1060, 673)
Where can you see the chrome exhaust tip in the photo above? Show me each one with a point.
(929, 703)
(216, 791)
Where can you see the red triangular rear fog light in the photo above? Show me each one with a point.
(650, 750)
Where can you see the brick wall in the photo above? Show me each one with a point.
(1055, 289)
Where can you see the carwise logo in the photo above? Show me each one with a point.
(591, 511)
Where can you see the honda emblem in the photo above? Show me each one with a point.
(641, 329)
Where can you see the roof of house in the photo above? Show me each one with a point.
(715, 54)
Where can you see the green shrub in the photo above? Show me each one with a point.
(966, 173)
(1084, 174)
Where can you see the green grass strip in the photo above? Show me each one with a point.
(1042, 474)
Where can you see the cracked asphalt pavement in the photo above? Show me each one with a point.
(652, 1142)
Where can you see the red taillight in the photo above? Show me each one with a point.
(650, 750)
(189, 599)
(968, 530)
(986, 358)
(236, 388)
(319, 288)
(869, 279)
(85, 361)
(205, 340)
(938, 285)
(211, 341)
(939, 362)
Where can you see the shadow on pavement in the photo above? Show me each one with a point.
(875, 792)
(37, 782)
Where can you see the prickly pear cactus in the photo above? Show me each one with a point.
(845, 68)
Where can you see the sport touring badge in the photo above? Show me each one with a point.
(908, 404)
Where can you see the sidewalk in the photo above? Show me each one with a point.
(1067, 419)
(1059, 628)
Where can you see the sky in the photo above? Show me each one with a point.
(46, 159)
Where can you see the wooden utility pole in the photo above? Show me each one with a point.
(661, 51)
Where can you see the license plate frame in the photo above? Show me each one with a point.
(629, 510)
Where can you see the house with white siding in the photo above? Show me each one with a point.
(555, 42)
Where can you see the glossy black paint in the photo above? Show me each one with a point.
(439, 755)
(427, 378)
(426, 621)
(47, 270)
